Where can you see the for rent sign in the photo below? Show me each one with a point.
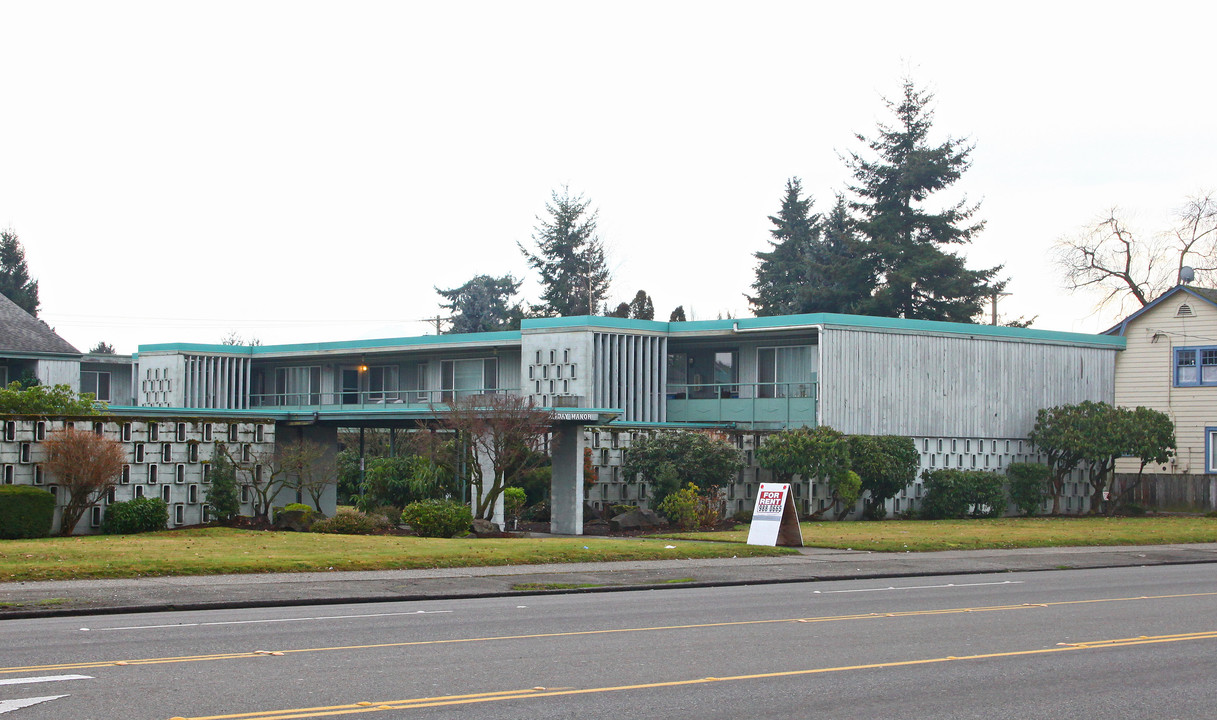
(774, 520)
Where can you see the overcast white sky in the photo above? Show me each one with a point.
(309, 171)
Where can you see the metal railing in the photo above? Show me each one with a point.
(724, 391)
(369, 399)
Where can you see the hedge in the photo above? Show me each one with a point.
(25, 512)
(140, 515)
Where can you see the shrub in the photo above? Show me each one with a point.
(962, 493)
(680, 507)
(1132, 510)
(349, 521)
(297, 507)
(514, 500)
(742, 516)
(135, 516)
(1028, 486)
(25, 512)
(438, 518)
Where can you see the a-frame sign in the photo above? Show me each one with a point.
(774, 520)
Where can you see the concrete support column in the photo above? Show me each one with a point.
(486, 464)
(566, 484)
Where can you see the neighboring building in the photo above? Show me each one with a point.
(30, 348)
(169, 458)
(1170, 365)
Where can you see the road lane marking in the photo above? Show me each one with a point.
(429, 702)
(917, 587)
(7, 706)
(43, 679)
(581, 633)
(271, 620)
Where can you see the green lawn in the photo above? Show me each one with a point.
(210, 551)
(929, 535)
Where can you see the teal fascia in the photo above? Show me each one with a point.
(506, 337)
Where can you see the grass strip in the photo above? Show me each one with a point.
(211, 551)
(1002, 533)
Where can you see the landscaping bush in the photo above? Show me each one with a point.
(438, 518)
(1132, 510)
(25, 512)
(140, 515)
(514, 500)
(680, 507)
(742, 516)
(296, 516)
(1028, 486)
(962, 493)
(348, 521)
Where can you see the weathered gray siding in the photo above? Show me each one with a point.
(930, 385)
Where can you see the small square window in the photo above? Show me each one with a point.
(10, 430)
(139, 452)
(192, 494)
(207, 473)
(167, 452)
(126, 432)
(206, 432)
(154, 432)
(179, 474)
(40, 430)
(192, 452)
(260, 433)
(166, 493)
(139, 491)
(125, 478)
(232, 433)
(181, 432)
(154, 472)
(26, 449)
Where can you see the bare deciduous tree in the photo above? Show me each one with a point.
(1120, 266)
(505, 430)
(86, 466)
(310, 469)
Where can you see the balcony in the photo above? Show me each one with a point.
(757, 404)
(369, 400)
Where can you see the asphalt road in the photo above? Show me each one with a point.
(1110, 643)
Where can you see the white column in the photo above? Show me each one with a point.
(566, 482)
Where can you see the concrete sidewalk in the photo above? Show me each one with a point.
(88, 597)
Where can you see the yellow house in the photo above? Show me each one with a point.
(1170, 364)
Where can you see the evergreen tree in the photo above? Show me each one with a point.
(483, 304)
(622, 311)
(102, 348)
(223, 494)
(678, 315)
(839, 274)
(917, 277)
(641, 307)
(569, 257)
(15, 282)
(782, 272)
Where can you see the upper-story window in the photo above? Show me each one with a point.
(298, 385)
(97, 383)
(1196, 366)
(469, 377)
(785, 372)
(382, 382)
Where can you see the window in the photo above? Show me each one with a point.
(1210, 442)
(785, 372)
(298, 385)
(125, 479)
(179, 514)
(181, 432)
(179, 474)
(25, 453)
(259, 433)
(468, 377)
(566, 356)
(139, 491)
(126, 432)
(10, 430)
(382, 382)
(38, 477)
(206, 432)
(154, 472)
(167, 452)
(206, 513)
(139, 452)
(207, 473)
(244, 493)
(110, 496)
(99, 429)
(257, 474)
(192, 452)
(192, 494)
(40, 430)
(97, 383)
(247, 452)
(1195, 366)
(232, 432)
(154, 432)
(166, 493)
(94, 516)
(8, 474)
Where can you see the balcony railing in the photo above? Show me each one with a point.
(371, 399)
(765, 404)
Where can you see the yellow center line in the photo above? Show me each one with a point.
(429, 702)
(582, 633)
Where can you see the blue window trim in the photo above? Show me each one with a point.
(1208, 450)
(1198, 351)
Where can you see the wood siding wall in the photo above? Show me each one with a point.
(1145, 376)
(927, 385)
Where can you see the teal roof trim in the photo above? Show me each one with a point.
(506, 337)
(827, 319)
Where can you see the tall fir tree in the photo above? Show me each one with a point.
(840, 275)
(15, 282)
(484, 304)
(782, 272)
(569, 258)
(917, 277)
